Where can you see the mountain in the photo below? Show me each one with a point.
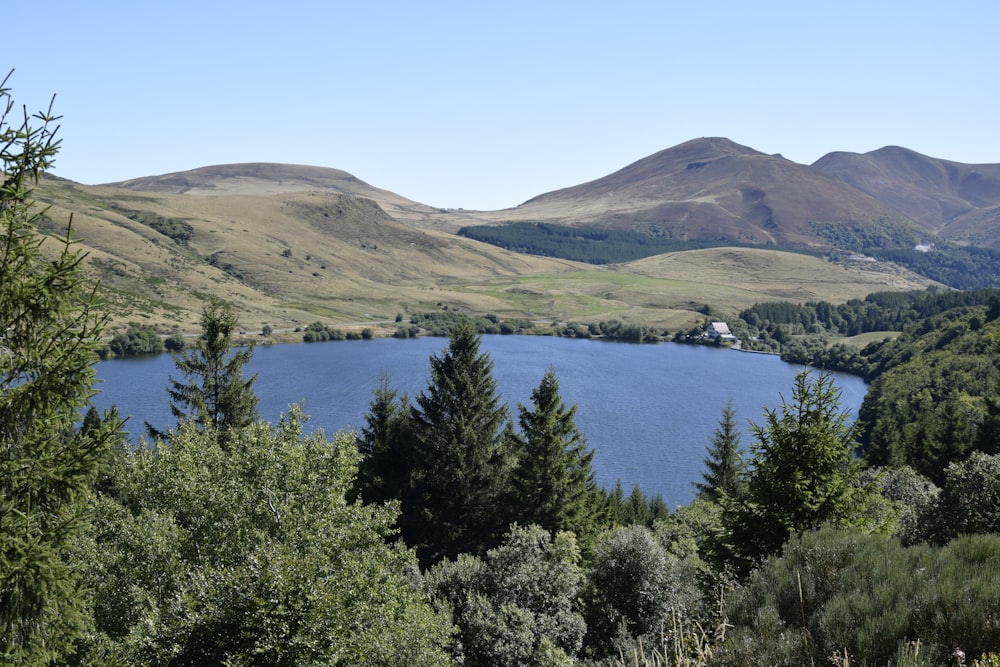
(288, 245)
(265, 178)
(712, 189)
(955, 201)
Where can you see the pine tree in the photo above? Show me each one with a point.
(461, 453)
(615, 508)
(637, 508)
(553, 482)
(214, 393)
(804, 473)
(385, 446)
(49, 332)
(724, 464)
(988, 434)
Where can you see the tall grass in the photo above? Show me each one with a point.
(685, 643)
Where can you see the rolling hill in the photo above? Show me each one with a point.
(289, 245)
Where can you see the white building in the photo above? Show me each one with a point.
(720, 331)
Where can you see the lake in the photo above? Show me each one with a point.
(648, 411)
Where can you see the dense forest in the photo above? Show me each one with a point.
(593, 245)
(453, 529)
(959, 267)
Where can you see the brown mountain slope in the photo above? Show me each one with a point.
(286, 258)
(959, 202)
(711, 189)
(264, 178)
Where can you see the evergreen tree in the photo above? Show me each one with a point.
(988, 433)
(803, 474)
(950, 434)
(658, 509)
(724, 464)
(553, 482)
(214, 393)
(637, 508)
(385, 447)
(48, 339)
(614, 505)
(462, 455)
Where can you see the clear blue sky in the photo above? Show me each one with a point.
(487, 104)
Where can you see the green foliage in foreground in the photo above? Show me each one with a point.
(634, 586)
(833, 591)
(252, 555)
(516, 605)
(48, 339)
(803, 474)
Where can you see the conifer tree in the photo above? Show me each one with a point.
(615, 509)
(724, 464)
(49, 332)
(385, 447)
(462, 455)
(988, 433)
(804, 473)
(553, 482)
(214, 393)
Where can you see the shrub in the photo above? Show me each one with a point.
(517, 605)
(634, 587)
(832, 592)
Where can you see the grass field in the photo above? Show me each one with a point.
(864, 339)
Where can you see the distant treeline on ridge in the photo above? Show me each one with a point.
(582, 244)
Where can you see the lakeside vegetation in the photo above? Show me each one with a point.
(522, 559)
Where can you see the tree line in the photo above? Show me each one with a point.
(963, 267)
(594, 245)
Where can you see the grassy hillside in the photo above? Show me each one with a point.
(290, 255)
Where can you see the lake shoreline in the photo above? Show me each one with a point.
(648, 411)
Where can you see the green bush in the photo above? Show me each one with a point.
(252, 555)
(634, 589)
(140, 339)
(517, 605)
(834, 591)
(174, 343)
(970, 497)
(317, 332)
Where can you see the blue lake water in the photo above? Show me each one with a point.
(648, 411)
